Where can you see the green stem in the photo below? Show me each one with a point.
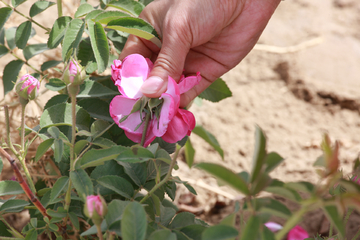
(68, 196)
(293, 220)
(331, 230)
(356, 235)
(59, 8)
(99, 232)
(22, 132)
(29, 65)
(166, 178)
(349, 212)
(73, 131)
(30, 19)
(147, 120)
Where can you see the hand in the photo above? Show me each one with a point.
(206, 36)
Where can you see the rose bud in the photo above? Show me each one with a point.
(27, 87)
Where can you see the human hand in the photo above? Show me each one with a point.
(206, 36)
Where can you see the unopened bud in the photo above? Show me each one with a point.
(27, 87)
(95, 208)
(74, 73)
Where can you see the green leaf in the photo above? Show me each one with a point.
(83, 9)
(224, 174)
(3, 50)
(136, 171)
(39, 7)
(59, 213)
(103, 142)
(82, 183)
(31, 235)
(23, 34)
(278, 188)
(189, 153)
(302, 186)
(117, 39)
(86, 55)
(96, 157)
(271, 206)
(136, 26)
(49, 64)
(91, 89)
(1, 164)
(118, 184)
(72, 36)
(133, 223)
(42, 148)
(61, 98)
(99, 45)
(259, 154)
(58, 187)
(220, 232)
(34, 49)
(130, 6)
(106, 17)
(16, 3)
(115, 211)
(135, 154)
(209, 138)
(10, 75)
(182, 219)
(251, 229)
(60, 114)
(55, 84)
(5, 13)
(74, 220)
(10, 37)
(335, 218)
(13, 205)
(272, 161)
(92, 15)
(163, 234)
(216, 92)
(194, 231)
(58, 30)
(2, 41)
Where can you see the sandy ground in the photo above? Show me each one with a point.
(300, 81)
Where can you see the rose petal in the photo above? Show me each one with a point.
(116, 70)
(173, 91)
(187, 83)
(167, 113)
(176, 130)
(188, 118)
(297, 233)
(274, 227)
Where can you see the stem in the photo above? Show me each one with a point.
(59, 8)
(32, 67)
(349, 212)
(30, 19)
(166, 178)
(22, 133)
(293, 220)
(73, 131)
(356, 235)
(147, 120)
(331, 230)
(68, 196)
(99, 232)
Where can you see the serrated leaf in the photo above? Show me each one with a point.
(57, 99)
(23, 34)
(133, 223)
(10, 75)
(42, 148)
(10, 188)
(49, 64)
(130, 6)
(5, 13)
(136, 171)
(83, 9)
(226, 175)
(92, 89)
(96, 157)
(118, 184)
(39, 7)
(58, 187)
(3, 50)
(34, 49)
(259, 154)
(106, 17)
(86, 54)
(189, 153)
(10, 37)
(209, 138)
(92, 15)
(55, 84)
(220, 232)
(58, 31)
(163, 234)
(216, 92)
(16, 3)
(135, 154)
(72, 36)
(99, 44)
(60, 114)
(103, 142)
(74, 220)
(82, 183)
(13, 205)
(136, 26)
(115, 211)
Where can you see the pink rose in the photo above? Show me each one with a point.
(116, 70)
(74, 73)
(297, 233)
(172, 124)
(94, 203)
(27, 87)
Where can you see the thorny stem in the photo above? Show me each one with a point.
(59, 8)
(99, 232)
(166, 178)
(30, 19)
(146, 124)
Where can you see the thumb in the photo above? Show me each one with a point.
(169, 62)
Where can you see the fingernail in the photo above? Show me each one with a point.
(152, 85)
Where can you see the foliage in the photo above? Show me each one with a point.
(92, 156)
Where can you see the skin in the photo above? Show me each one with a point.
(206, 36)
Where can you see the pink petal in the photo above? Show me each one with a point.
(167, 113)
(297, 233)
(135, 70)
(274, 227)
(176, 130)
(173, 91)
(121, 106)
(187, 83)
(188, 118)
(136, 137)
(116, 70)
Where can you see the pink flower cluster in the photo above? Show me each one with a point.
(296, 233)
(172, 124)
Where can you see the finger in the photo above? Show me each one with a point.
(190, 95)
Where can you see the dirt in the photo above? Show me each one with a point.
(300, 81)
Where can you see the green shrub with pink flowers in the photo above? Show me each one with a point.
(115, 148)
